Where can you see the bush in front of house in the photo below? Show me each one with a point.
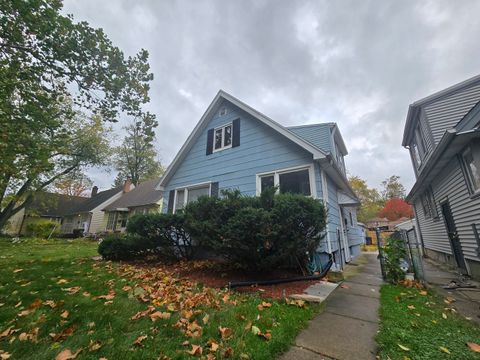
(258, 233)
(120, 247)
(255, 233)
(43, 228)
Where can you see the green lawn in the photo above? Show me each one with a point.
(424, 325)
(36, 275)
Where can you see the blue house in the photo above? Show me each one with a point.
(234, 146)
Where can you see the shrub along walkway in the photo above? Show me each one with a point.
(346, 328)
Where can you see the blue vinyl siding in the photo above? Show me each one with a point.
(333, 213)
(261, 150)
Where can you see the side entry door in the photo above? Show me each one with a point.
(453, 237)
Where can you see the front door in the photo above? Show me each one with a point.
(453, 237)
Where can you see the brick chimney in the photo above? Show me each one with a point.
(94, 191)
(127, 185)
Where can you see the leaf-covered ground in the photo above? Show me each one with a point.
(418, 324)
(56, 302)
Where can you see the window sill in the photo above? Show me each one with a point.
(221, 149)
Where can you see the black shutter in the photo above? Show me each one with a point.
(210, 142)
(214, 189)
(236, 133)
(171, 199)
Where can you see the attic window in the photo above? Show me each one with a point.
(223, 111)
(222, 138)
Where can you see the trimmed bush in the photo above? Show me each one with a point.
(117, 247)
(43, 228)
(256, 233)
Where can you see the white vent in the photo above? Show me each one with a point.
(223, 111)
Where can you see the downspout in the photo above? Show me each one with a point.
(325, 204)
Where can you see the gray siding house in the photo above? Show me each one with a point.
(234, 146)
(442, 133)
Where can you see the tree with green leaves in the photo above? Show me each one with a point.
(371, 202)
(393, 188)
(59, 81)
(136, 158)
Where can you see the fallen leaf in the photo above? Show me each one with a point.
(24, 313)
(73, 290)
(225, 332)
(411, 307)
(23, 337)
(50, 303)
(444, 349)
(196, 350)
(205, 319)
(17, 270)
(423, 293)
(138, 341)
(444, 315)
(6, 332)
(343, 286)
(94, 345)
(63, 281)
(404, 348)
(63, 334)
(473, 346)
(64, 314)
(35, 304)
(4, 355)
(160, 315)
(228, 353)
(67, 354)
(255, 330)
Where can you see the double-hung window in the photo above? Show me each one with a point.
(222, 138)
(471, 162)
(297, 181)
(188, 194)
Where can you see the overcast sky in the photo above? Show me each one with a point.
(357, 63)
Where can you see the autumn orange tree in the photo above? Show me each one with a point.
(395, 209)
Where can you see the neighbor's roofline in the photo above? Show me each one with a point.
(414, 107)
(315, 151)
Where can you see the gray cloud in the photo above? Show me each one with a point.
(359, 64)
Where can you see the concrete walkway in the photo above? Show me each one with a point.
(466, 300)
(345, 330)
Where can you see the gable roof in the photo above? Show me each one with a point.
(53, 205)
(144, 193)
(415, 108)
(202, 124)
(93, 202)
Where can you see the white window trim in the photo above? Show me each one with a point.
(468, 172)
(276, 178)
(223, 147)
(185, 194)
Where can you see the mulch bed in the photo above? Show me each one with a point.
(216, 274)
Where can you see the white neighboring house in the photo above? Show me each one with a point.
(88, 217)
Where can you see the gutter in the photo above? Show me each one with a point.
(329, 163)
